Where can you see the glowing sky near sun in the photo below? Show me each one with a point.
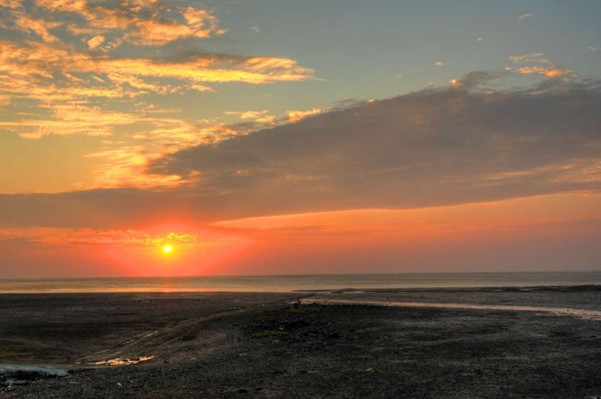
(279, 136)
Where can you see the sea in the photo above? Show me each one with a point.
(288, 283)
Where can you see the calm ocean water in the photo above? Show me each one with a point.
(292, 283)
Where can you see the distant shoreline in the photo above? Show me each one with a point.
(564, 288)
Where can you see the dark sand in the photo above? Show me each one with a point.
(219, 345)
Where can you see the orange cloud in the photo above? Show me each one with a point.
(204, 70)
(296, 115)
(148, 23)
(56, 74)
(259, 117)
(95, 42)
(71, 119)
(123, 165)
(134, 238)
(548, 72)
(541, 66)
(39, 27)
(455, 83)
(74, 6)
(66, 80)
(42, 71)
(10, 4)
(127, 166)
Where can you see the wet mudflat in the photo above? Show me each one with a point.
(260, 345)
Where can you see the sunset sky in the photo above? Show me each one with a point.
(298, 137)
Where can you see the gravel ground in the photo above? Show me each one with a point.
(259, 345)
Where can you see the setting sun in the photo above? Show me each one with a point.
(167, 248)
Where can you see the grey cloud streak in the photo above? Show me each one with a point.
(425, 148)
(433, 147)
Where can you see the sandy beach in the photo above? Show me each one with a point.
(437, 343)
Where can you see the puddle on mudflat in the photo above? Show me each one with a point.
(32, 369)
(13, 375)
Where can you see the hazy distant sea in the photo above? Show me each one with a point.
(292, 283)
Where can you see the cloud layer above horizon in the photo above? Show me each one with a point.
(435, 147)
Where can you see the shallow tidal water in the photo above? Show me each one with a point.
(301, 282)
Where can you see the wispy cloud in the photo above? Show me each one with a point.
(147, 23)
(526, 57)
(75, 74)
(38, 60)
(71, 119)
(525, 16)
(297, 115)
(263, 117)
(62, 59)
(445, 63)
